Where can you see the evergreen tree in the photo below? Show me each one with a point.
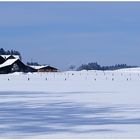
(2, 52)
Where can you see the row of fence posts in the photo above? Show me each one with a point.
(95, 79)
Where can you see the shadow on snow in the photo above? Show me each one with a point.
(59, 117)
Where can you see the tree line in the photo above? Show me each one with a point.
(96, 66)
(33, 64)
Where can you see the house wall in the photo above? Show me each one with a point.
(24, 68)
(47, 70)
(5, 70)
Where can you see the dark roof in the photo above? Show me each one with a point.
(2, 60)
(10, 57)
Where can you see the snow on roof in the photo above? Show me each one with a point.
(38, 67)
(6, 56)
(2, 56)
(8, 62)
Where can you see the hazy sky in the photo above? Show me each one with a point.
(61, 34)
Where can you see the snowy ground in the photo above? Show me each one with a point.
(86, 104)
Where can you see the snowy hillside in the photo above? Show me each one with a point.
(72, 104)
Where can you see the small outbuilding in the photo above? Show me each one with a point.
(48, 69)
(15, 65)
(45, 68)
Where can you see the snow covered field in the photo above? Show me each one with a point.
(85, 104)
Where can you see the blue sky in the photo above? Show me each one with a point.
(65, 33)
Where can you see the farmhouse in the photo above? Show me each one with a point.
(15, 65)
(12, 63)
(45, 68)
